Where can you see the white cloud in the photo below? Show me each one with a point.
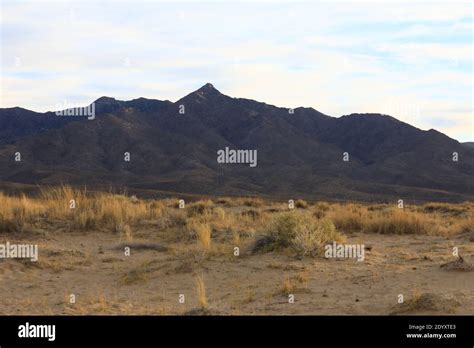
(336, 57)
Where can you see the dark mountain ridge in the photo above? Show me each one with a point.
(173, 148)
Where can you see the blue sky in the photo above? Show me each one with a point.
(409, 59)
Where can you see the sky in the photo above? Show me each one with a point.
(409, 59)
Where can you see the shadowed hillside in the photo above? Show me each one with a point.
(300, 151)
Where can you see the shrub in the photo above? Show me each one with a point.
(298, 231)
(199, 208)
(300, 203)
(307, 241)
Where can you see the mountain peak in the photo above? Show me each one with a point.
(207, 89)
(106, 100)
(202, 94)
(208, 86)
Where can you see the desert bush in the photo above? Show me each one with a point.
(308, 241)
(297, 230)
(322, 206)
(300, 203)
(320, 210)
(200, 208)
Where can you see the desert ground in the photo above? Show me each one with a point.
(104, 253)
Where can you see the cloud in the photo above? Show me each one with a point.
(337, 57)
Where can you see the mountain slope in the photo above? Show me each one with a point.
(173, 147)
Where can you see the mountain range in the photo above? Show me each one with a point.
(173, 146)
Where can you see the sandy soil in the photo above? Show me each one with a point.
(93, 267)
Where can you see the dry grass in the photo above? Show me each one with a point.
(83, 210)
(139, 274)
(300, 203)
(201, 292)
(125, 232)
(119, 213)
(200, 208)
(444, 208)
(170, 246)
(298, 230)
(349, 217)
(400, 222)
(203, 233)
(288, 286)
(253, 202)
(426, 303)
(412, 220)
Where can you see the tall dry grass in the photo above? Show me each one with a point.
(203, 234)
(83, 210)
(201, 292)
(445, 219)
(236, 217)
